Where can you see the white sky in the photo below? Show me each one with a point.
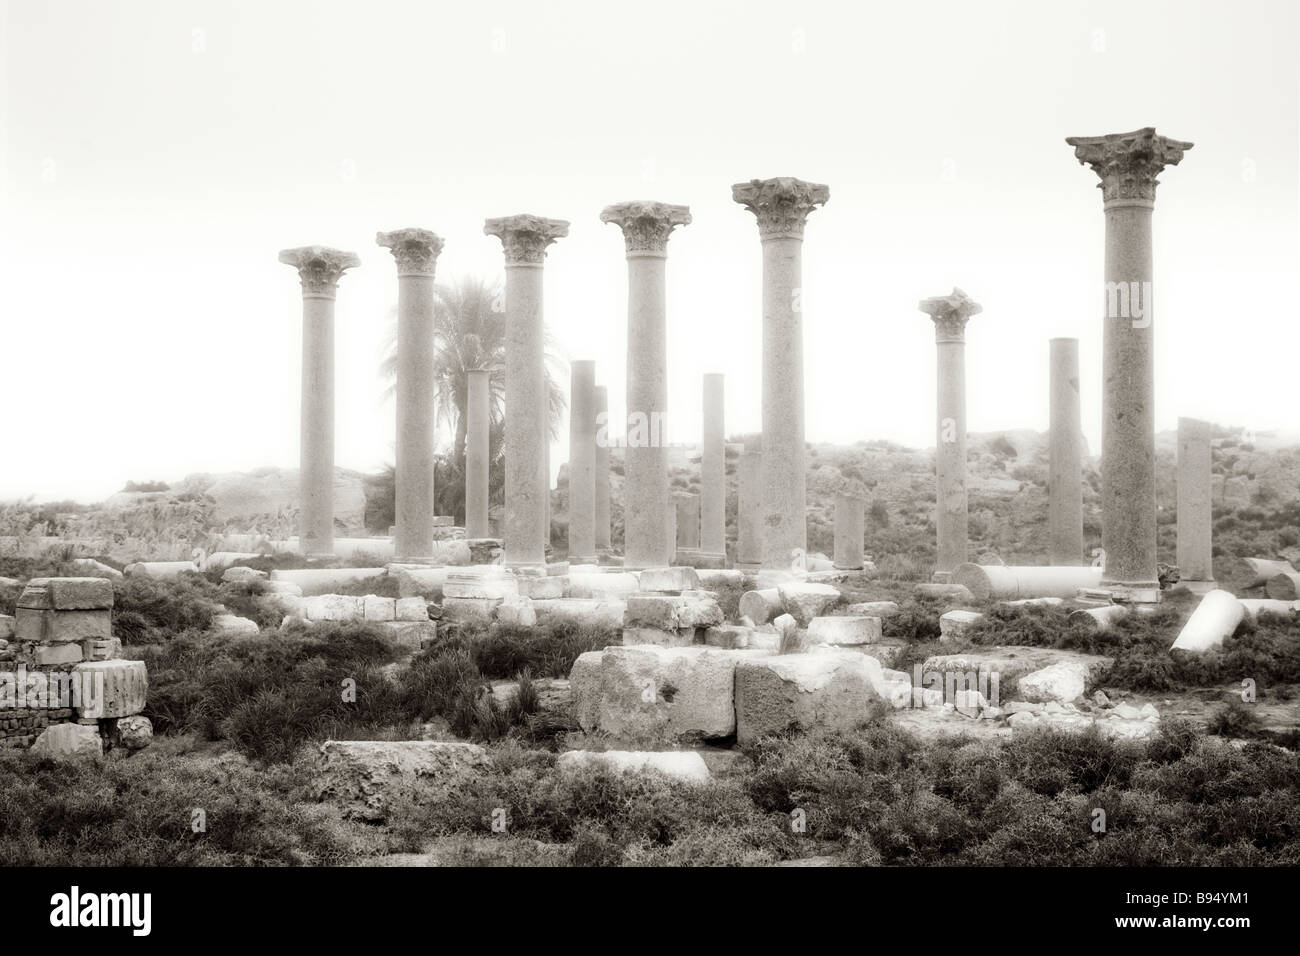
(157, 155)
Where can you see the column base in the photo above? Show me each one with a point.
(848, 567)
(1133, 592)
(1196, 587)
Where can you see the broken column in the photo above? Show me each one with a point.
(782, 207)
(950, 314)
(416, 252)
(1128, 165)
(713, 470)
(582, 462)
(524, 239)
(646, 227)
(749, 503)
(1065, 465)
(319, 269)
(601, 483)
(1195, 520)
(850, 527)
(477, 425)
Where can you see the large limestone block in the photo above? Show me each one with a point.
(954, 624)
(233, 624)
(589, 612)
(376, 608)
(1063, 682)
(410, 609)
(845, 630)
(111, 688)
(411, 635)
(497, 589)
(804, 602)
(1214, 619)
(805, 691)
(333, 607)
(683, 637)
(318, 581)
(761, 605)
(517, 611)
(732, 637)
(657, 693)
(426, 583)
(543, 588)
(601, 585)
(685, 765)
(362, 776)
(671, 612)
(469, 610)
(881, 609)
(67, 594)
(672, 579)
(61, 627)
(69, 741)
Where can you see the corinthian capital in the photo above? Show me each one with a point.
(950, 313)
(526, 237)
(319, 268)
(416, 250)
(646, 224)
(1128, 163)
(781, 205)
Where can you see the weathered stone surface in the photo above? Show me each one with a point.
(844, 629)
(1259, 570)
(828, 690)
(162, 570)
(67, 594)
(601, 585)
(762, 605)
(239, 575)
(1012, 663)
(470, 610)
(232, 624)
(547, 587)
(806, 601)
(491, 589)
(59, 627)
(333, 607)
(649, 692)
(1252, 606)
(679, 637)
(956, 593)
(411, 635)
(410, 609)
(52, 655)
(376, 608)
(425, 583)
(881, 609)
(95, 569)
(73, 741)
(954, 624)
(1009, 583)
(7, 626)
(362, 776)
(1064, 682)
(731, 637)
(517, 611)
(125, 688)
(134, 732)
(674, 579)
(594, 613)
(1283, 587)
(684, 765)
(1215, 618)
(671, 612)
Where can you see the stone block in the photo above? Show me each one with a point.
(57, 627)
(954, 624)
(322, 581)
(881, 609)
(674, 579)
(378, 609)
(333, 607)
(421, 582)
(125, 687)
(52, 655)
(594, 613)
(833, 690)
(517, 611)
(732, 637)
(411, 635)
(671, 612)
(67, 594)
(233, 624)
(548, 588)
(410, 609)
(804, 601)
(686, 765)
(74, 741)
(761, 605)
(680, 637)
(837, 629)
(241, 575)
(470, 610)
(362, 776)
(7, 627)
(133, 733)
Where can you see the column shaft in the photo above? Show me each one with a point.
(477, 425)
(316, 468)
(713, 469)
(582, 454)
(688, 521)
(645, 487)
(601, 482)
(525, 532)
(415, 430)
(951, 515)
(1065, 467)
(749, 519)
(785, 525)
(1195, 515)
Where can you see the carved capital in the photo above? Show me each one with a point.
(950, 313)
(1128, 163)
(781, 205)
(526, 237)
(416, 250)
(646, 224)
(319, 268)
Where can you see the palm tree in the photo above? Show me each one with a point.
(469, 332)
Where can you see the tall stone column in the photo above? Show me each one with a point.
(1195, 516)
(850, 525)
(416, 252)
(1128, 164)
(950, 314)
(524, 239)
(713, 469)
(688, 520)
(319, 269)
(646, 227)
(582, 462)
(601, 505)
(1065, 464)
(781, 207)
(478, 419)
(749, 509)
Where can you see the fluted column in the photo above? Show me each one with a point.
(601, 483)
(646, 227)
(950, 314)
(416, 252)
(319, 269)
(477, 426)
(1195, 514)
(582, 462)
(1065, 464)
(524, 239)
(781, 207)
(1128, 165)
(749, 509)
(713, 468)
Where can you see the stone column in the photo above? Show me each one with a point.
(1128, 164)
(416, 252)
(601, 505)
(713, 469)
(688, 520)
(781, 207)
(749, 507)
(319, 269)
(525, 239)
(1195, 518)
(1065, 465)
(850, 525)
(646, 227)
(950, 314)
(478, 418)
(582, 462)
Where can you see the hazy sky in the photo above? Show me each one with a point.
(157, 155)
